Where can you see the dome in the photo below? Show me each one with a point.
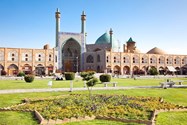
(156, 51)
(105, 39)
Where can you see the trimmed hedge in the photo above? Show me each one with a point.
(105, 78)
(29, 78)
(153, 71)
(69, 75)
(21, 74)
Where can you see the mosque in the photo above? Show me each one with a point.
(72, 54)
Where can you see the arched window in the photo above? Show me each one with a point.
(126, 59)
(98, 58)
(169, 60)
(107, 59)
(90, 59)
(135, 59)
(1, 56)
(114, 59)
(50, 56)
(144, 59)
(184, 60)
(153, 60)
(161, 60)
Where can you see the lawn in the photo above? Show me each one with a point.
(43, 83)
(176, 96)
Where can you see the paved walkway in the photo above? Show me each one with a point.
(80, 89)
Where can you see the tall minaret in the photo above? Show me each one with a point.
(83, 20)
(57, 16)
(83, 27)
(111, 32)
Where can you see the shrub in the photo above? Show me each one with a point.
(21, 74)
(3, 72)
(69, 75)
(105, 78)
(92, 82)
(29, 78)
(153, 71)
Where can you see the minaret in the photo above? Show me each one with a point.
(57, 16)
(83, 20)
(83, 27)
(111, 32)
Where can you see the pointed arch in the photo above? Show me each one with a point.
(12, 69)
(126, 70)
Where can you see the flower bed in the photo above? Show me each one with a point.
(116, 106)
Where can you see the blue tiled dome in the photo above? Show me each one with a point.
(105, 39)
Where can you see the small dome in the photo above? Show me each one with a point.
(156, 50)
(105, 39)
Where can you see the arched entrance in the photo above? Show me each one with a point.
(178, 72)
(40, 70)
(108, 68)
(27, 69)
(116, 70)
(126, 70)
(1, 69)
(50, 69)
(98, 69)
(71, 56)
(12, 70)
(161, 70)
(143, 71)
(135, 70)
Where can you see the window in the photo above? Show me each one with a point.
(50, 56)
(107, 59)
(26, 59)
(26, 55)
(114, 59)
(90, 59)
(151, 60)
(12, 59)
(124, 60)
(56, 59)
(12, 54)
(39, 55)
(135, 59)
(98, 58)
(39, 59)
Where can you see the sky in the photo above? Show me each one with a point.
(151, 23)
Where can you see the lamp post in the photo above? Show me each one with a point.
(77, 58)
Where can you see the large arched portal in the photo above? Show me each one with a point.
(71, 56)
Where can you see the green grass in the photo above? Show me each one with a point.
(21, 84)
(17, 118)
(172, 118)
(173, 95)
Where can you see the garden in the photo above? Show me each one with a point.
(102, 107)
(170, 96)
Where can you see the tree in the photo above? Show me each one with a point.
(153, 71)
(91, 80)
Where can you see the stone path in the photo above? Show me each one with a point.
(80, 89)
